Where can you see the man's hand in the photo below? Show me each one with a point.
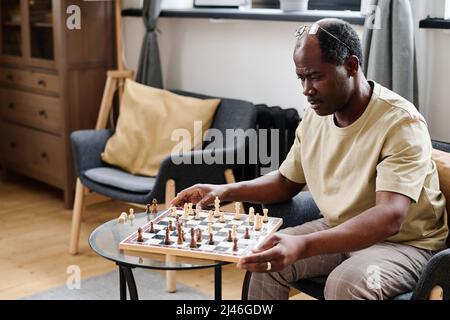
(281, 250)
(201, 195)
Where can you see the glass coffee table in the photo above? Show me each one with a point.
(105, 242)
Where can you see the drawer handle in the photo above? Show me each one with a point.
(42, 83)
(10, 77)
(13, 145)
(11, 105)
(43, 113)
(44, 155)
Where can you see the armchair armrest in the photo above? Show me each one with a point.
(87, 146)
(436, 272)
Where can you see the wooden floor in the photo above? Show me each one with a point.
(34, 237)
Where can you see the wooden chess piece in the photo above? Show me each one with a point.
(147, 209)
(170, 225)
(197, 214)
(211, 239)
(193, 243)
(140, 238)
(167, 238)
(234, 231)
(154, 206)
(230, 237)
(251, 216)
(180, 235)
(246, 234)
(152, 229)
(266, 216)
(199, 235)
(235, 244)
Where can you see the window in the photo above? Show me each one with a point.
(353, 5)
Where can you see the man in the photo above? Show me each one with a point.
(365, 154)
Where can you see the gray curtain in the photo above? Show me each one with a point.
(149, 70)
(389, 49)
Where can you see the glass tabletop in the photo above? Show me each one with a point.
(106, 238)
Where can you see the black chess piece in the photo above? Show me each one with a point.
(140, 238)
(167, 238)
(246, 234)
(230, 237)
(235, 244)
(211, 239)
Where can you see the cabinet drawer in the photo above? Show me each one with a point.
(14, 145)
(35, 80)
(46, 156)
(36, 111)
(34, 153)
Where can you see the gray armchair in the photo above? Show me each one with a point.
(97, 177)
(434, 282)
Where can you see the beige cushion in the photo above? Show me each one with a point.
(148, 117)
(442, 160)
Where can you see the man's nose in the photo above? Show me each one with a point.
(308, 90)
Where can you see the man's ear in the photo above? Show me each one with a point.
(352, 65)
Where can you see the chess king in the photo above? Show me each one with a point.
(365, 154)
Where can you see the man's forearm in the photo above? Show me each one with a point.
(271, 188)
(370, 227)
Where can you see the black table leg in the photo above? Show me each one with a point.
(127, 279)
(218, 282)
(122, 284)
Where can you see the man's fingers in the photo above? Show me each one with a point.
(179, 199)
(205, 201)
(267, 244)
(262, 257)
(191, 194)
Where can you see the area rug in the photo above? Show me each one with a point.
(150, 286)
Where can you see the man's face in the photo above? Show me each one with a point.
(327, 86)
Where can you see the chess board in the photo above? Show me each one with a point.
(221, 250)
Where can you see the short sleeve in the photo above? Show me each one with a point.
(291, 168)
(405, 159)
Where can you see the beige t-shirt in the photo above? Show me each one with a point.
(387, 149)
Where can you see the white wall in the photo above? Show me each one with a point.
(252, 60)
(433, 47)
(249, 60)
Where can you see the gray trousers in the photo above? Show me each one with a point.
(381, 271)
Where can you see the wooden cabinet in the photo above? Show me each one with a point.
(51, 83)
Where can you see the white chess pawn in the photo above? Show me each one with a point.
(197, 214)
(251, 215)
(222, 217)
(234, 231)
(266, 217)
(210, 216)
(237, 215)
(257, 222)
(174, 211)
(210, 230)
(131, 215)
